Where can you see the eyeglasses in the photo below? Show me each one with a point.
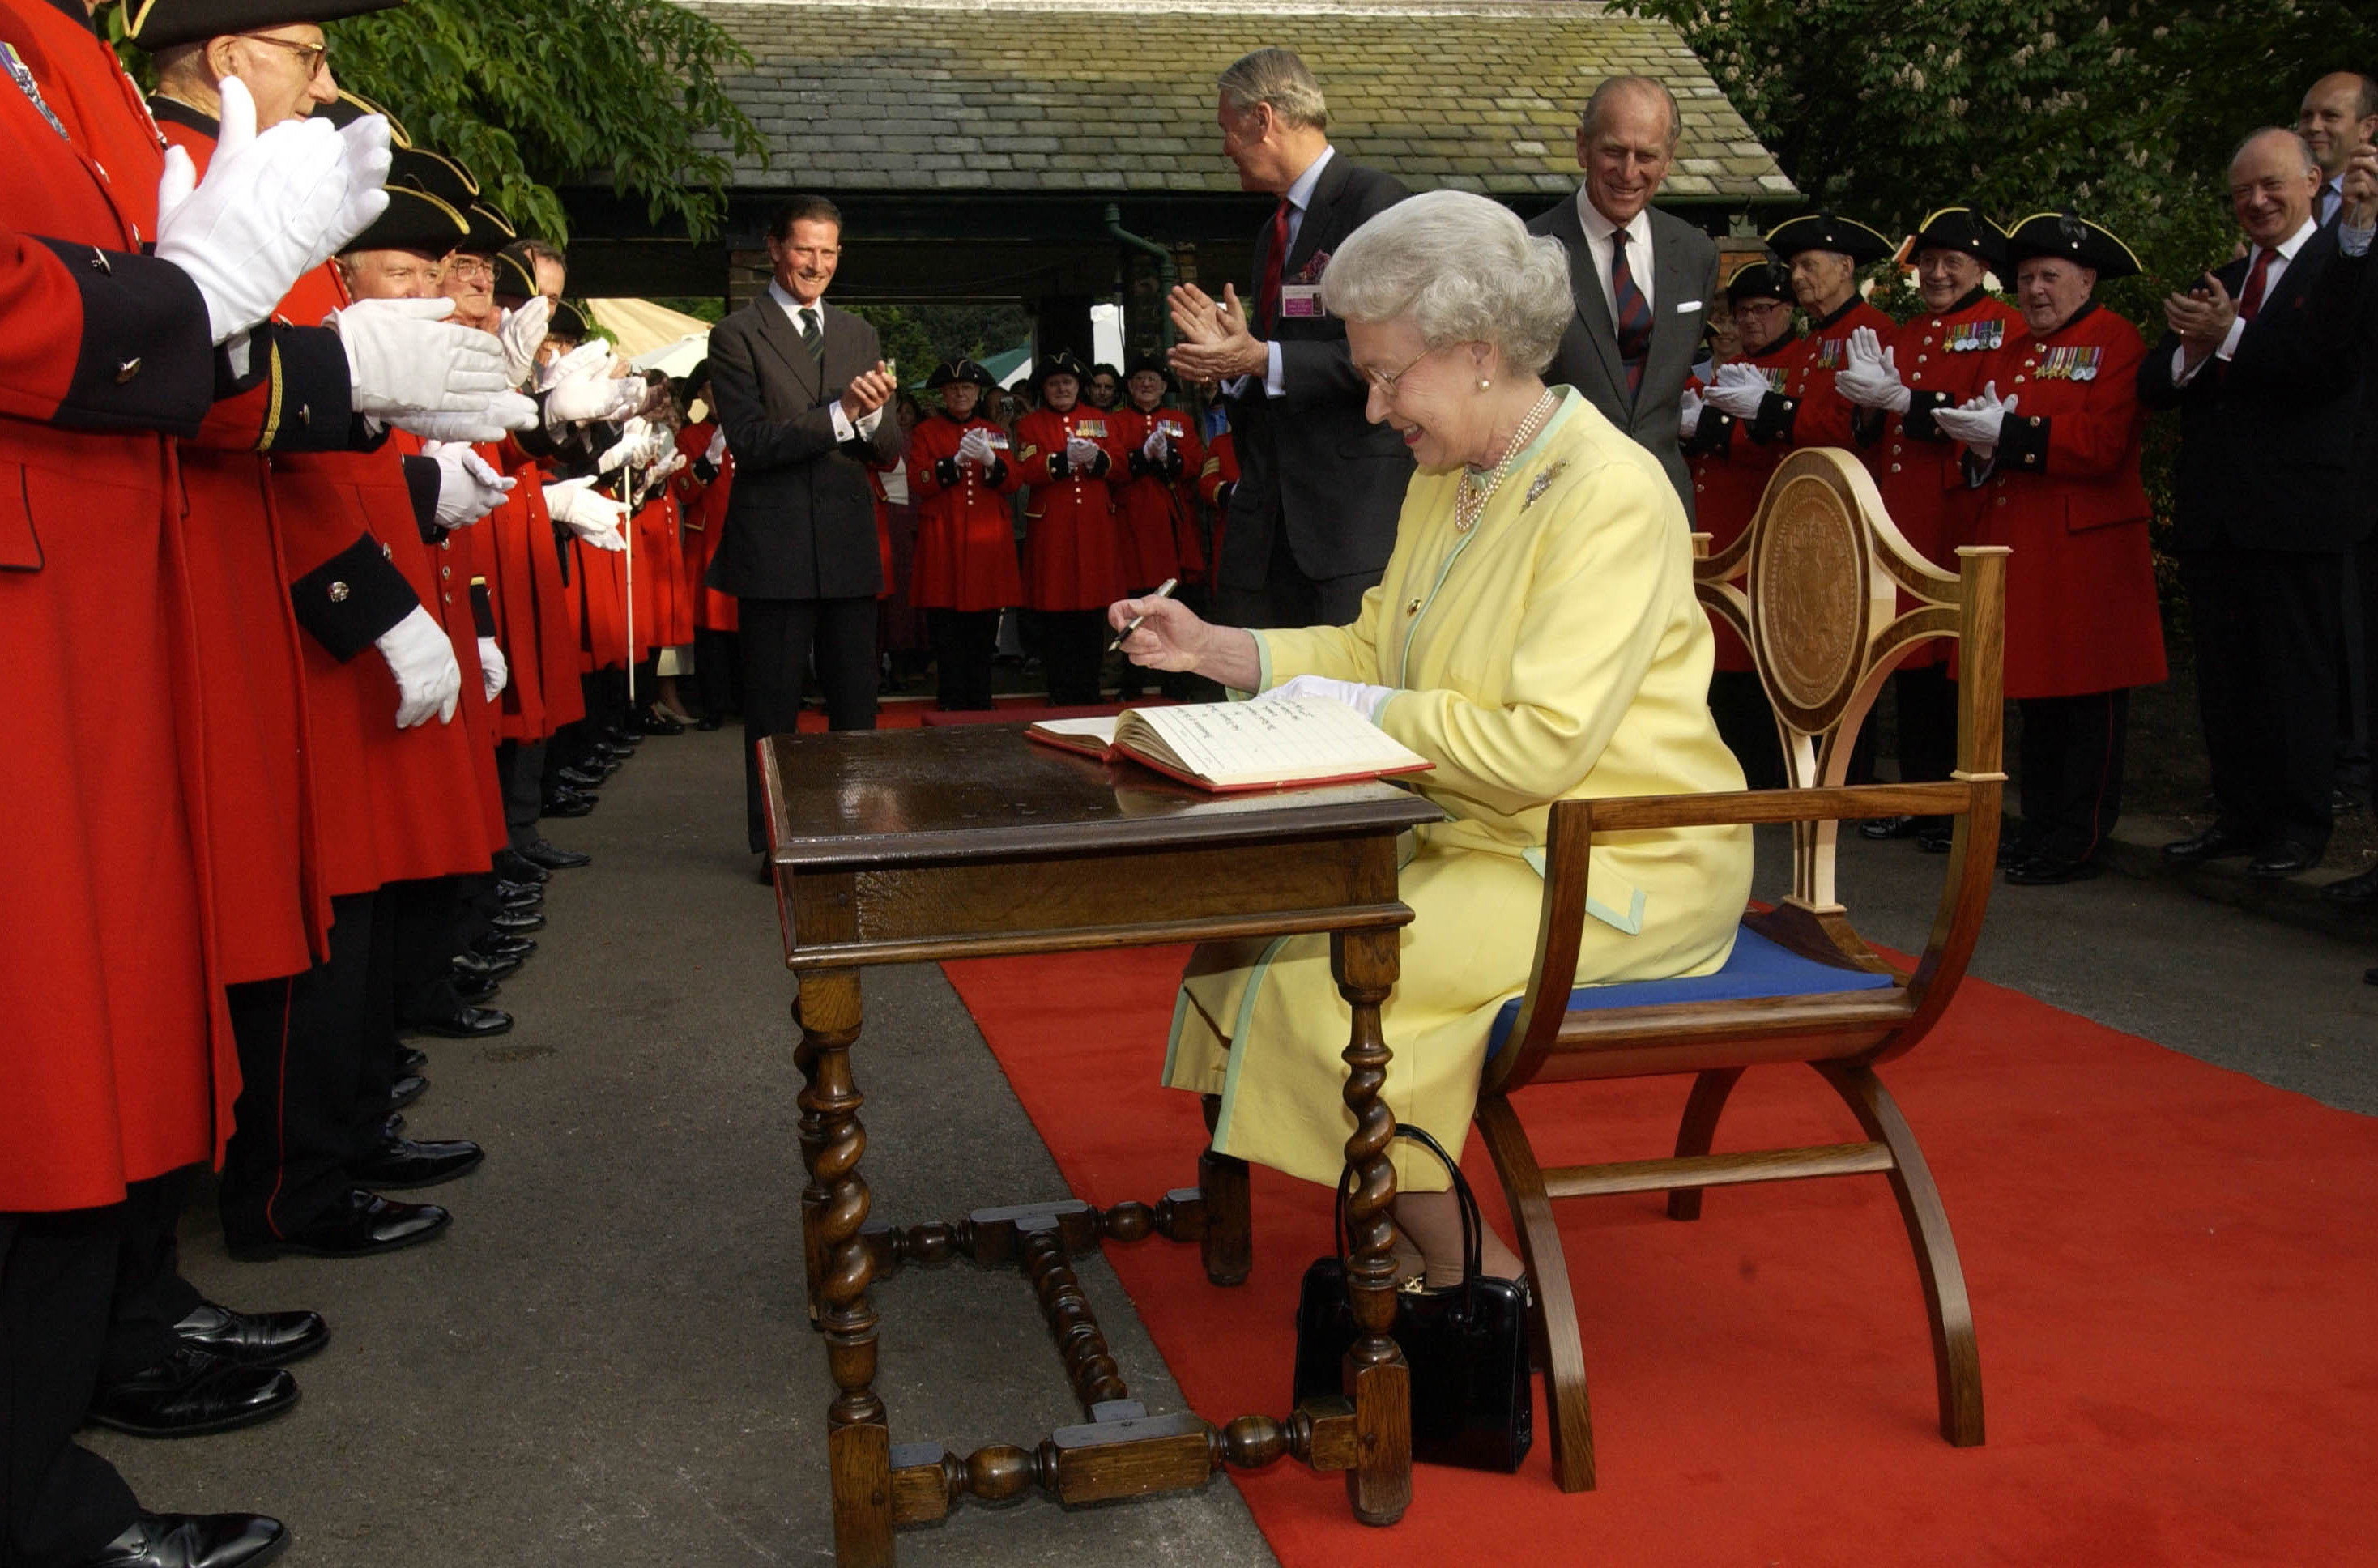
(1386, 383)
(312, 58)
(470, 267)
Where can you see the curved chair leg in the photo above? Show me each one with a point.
(1956, 1359)
(1706, 1103)
(1560, 1348)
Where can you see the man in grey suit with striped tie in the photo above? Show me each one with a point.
(1642, 280)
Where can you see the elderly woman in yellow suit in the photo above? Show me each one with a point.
(1536, 638)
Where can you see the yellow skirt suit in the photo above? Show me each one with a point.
(1554, 652)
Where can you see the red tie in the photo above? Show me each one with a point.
(1274, 259)
(2250, 303)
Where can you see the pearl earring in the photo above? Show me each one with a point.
(1484, 383)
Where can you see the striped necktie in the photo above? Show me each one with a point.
(812, 335)
(1634, 316)
(1275, 259)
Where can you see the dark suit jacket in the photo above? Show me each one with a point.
(1684, 280)
(2267, 457)
(1308, 460)
(802, 521)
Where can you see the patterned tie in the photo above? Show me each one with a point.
(812, 335)
(2250, 303)
(1634, 316)
(1275, 258)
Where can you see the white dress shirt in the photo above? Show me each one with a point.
(844, 430)
(1598, 230)
(1300, 197)
(2182, 373)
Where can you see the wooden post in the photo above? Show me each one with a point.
(1227, 1247)
(1379, 1486)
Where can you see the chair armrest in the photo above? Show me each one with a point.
(1629, 813)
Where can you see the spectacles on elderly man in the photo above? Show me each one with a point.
(311, 57)
(463, 266)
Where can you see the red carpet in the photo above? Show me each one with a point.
(2172, 1265)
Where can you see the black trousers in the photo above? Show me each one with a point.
(432, 919)
(59, 1503)
(965, 642)
(2267, 626)
(1289, 598)
(779, 638)
(304, 1049)
(2071, 763)
(716, 655)
(520, 766)
(1072, 646)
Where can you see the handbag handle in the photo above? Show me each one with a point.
(1473, 1226)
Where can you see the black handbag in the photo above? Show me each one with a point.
(1472, 1402)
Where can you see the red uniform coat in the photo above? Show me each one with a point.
(966, 530)
(1919, 470)
(1730, 464)
(1072, 559)
(703, 501)
(1221, 468)
(664, 611)
(1156, 521)
(2065, 493)
(1819, 416)
(537, 623)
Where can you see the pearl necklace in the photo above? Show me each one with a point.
(1470, 501)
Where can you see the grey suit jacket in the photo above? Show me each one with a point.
(1684, 280)
(802, 521)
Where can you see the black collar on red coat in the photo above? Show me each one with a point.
(1761, 354)
(1855, 300)
(174, 111)
(2070, 322)
(1973, 296)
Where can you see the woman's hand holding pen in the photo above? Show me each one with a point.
(1172, 637)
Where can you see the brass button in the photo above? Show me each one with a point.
(387, 553)
(127, 370)
(1894, 468)
(445, 571)
(1412, 608)
(2018, 380)
(1922, 358)
(338, 591)
(2002, 500)
(2035, 419)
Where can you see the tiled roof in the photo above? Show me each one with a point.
(1011, 95)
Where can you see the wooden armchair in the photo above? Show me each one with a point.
(1816, 587)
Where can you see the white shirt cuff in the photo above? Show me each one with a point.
(2355, 242)
(844, 430)
(2229, 349)
(1275, 386)
(2182, 373)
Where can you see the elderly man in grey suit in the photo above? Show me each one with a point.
(1642, 279)
(800, 387)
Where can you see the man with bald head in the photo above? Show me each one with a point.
(1642, 278)
(2339, 114)
(2266, 360)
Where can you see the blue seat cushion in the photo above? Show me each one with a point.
(1757, 967)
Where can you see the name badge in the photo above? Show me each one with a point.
(1975, 337)
(1300, 301)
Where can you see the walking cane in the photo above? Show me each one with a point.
(628, 489)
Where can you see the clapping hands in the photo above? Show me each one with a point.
(1977, 421)
(1871, 377)
(1738, 391)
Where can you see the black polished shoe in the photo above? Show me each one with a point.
(2360, 888)
(2281, 861)
(555, 858)
(613, 752)
(406, 1090)
(473, 987)
(517, 869)
(510, 924)
(708, 723)
(581, 778)
(655, 721)
(566, 803)
(191, 1393)
(468, 1024)
(410, 1060)
(267, 1339)
(471, 966)
(2047, 869)
(194, 1541)
(519, 896)
(363, 1224)
(526, 908)
(2219, 842)
(1882, 828)
(1939, 836)
(500, 947)
(406, 1162)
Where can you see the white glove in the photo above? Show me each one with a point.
(1871, 377)
(595, 400)
(1738, 391)
(592, 517)
(271, 208)
(522, 331)
(639, 443)
(589, 361)
(506, 412)
(715, 453)
(468, 487)
(428, 678)
(1081, 453)
(404, 359)
(1156, 447)
(975, 447)
(1365, 700)
(671, 461)
(1976, 422)
(1690, 420)
(493, 672)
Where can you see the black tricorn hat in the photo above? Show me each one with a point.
(959, 370)
(349, 107)
(1760, 280)
(161, 24)
(490, 231)
(1062, 362)
(1962, 228)
(569, 321)
(2070, 237)
(414, 220)
(1823, 231)
(1149, 359)
(515, 279)
(435, 173)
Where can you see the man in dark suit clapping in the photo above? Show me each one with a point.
(801, 390)
(1642, 279)
(1313, 517)
(2265, 360)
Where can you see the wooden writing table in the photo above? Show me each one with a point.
(908, 846)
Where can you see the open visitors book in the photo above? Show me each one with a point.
(1236, 746)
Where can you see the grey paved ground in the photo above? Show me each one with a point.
(608, 1361)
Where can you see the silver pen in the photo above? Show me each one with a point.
(1133, 625)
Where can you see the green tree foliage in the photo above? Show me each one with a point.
(920, 336)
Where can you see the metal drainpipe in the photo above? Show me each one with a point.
(1167, 273)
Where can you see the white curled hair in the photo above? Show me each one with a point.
(1461, 268)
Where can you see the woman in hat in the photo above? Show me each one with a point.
(1072, 564)
(2052, 444)
(960, 473)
